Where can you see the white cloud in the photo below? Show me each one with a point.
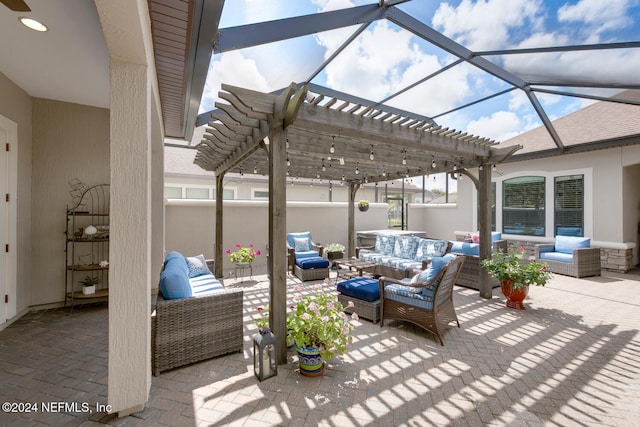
(486, 24)
(231, 68)
(500, 126)
(599, 16)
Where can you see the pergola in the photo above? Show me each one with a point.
(298, 133)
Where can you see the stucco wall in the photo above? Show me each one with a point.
(69, 141)
(16, 105)
(190, 225)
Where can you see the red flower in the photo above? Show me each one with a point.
(260, 308)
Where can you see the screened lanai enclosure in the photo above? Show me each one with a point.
(374, 91)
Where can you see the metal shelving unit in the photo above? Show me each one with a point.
(87, 244)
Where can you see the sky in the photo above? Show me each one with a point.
(385, 58)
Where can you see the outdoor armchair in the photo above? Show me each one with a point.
(300, 245)
(427, 299)
(571, 256)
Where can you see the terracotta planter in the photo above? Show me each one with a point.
(515, 297)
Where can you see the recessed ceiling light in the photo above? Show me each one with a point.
(33, 24)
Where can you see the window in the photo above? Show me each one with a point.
(229, 194)
(196, 193)
(523, 206)
(259, 194)
(569, 205)
(173, 192)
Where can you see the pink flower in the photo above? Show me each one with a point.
(228, 251)
(351, 304)
(305, 316)
(325, 318)
(238, 245)
(329, 306)
(521, 249)
(257, 252)
(354, 316)
(297, 288)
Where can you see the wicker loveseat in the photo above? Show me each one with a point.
(191, 328)
(470, 271)
(571, 256)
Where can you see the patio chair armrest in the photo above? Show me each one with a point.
(543, 247)
(579, 253)
(499, 244)
(366, 248)
(318, 247)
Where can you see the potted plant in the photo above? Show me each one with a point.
(516, 275)
(242, 255)
(89, 285)
(363, 205)
(318, 327)
(334, 251)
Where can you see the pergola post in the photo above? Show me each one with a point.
(278, 239)
(351, 236)
(484, 219)
(219, 226)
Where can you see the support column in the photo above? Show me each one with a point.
(484, 219)
(278, 239)
(219, 218)
(130, 238)
(351, 234)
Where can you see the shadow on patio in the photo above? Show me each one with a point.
(571, 358)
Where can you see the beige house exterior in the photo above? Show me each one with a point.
(51, 142)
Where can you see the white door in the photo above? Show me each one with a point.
(8, 217)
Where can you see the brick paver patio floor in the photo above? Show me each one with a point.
(572, 358)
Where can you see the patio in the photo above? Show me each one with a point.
(572, 358)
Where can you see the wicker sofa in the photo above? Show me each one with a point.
(571, 256)
(470, 271)
(189, 329)
(400, 256)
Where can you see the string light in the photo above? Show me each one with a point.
(324, 168)
(384, 173)
(288, 162)
(371, 156)
(404, 159)
(455, 167)
(494, 168)
(332, 149)
(357, 170)
(433, 163)
(342, 178)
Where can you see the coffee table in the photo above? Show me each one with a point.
(354, 268)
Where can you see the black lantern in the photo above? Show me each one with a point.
(265, 360)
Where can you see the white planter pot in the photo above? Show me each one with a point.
(88, 290)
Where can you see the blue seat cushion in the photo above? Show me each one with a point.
(174, 279)
(312, 262)
(466, 248)
(556, 256)
(306, 254)
(566, 244)
(205, 284)
(361, 288)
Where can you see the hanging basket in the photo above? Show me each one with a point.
(363, 208)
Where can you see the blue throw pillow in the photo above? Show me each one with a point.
(197, 266)
(174, 279)
(435, 267)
